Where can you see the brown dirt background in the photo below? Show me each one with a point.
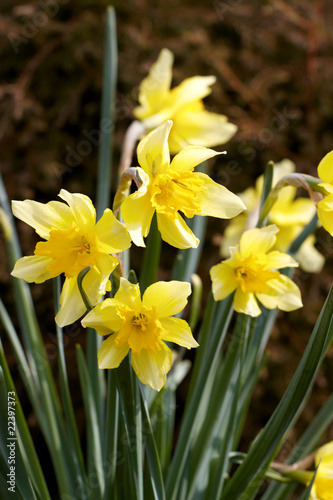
(273, 63)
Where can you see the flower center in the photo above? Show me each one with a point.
(252, 275)
(70, 249)
(173, 191)
(140, 329)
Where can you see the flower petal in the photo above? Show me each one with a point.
(191, 89)
(176, 233)
(72, 306)
(111, 355)
(152, 367)
(112, 236)
(258, 240)
(168, 298)
(103, 318)
(179, 332)
(153, 150)
(283, 293)
(154, 89)
(279, 260)
(137, 213)
(43, 217)
(325, 168)
(190, 157)
(310, 260)
(299, 211)
(32, 269)
(245, 302)
(128, 294)
(217, 200)
(224, 282)
(325, 213)
(82, 208)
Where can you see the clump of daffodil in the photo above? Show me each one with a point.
(74, 241)
(142, 326)
(193, 125)
(290, 215)
(325, 206)
(252, 273)
(168, 188)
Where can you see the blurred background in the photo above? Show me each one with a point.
(273, 63)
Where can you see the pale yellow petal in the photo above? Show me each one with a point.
(82, 208)
(283, 293)
(310, 260)
(245, 302)
(112, 236)
(154, 89)
(103, 318)
(325, 168)
(217, 200)
(279, 260)
(324, 455)
(299, 211)
(191, 89)
(128, 294)
(153, 150)
(190, 157)
(97, 279)
(176, 233)
(152, 367)
(201, 128)
(179, 332)
(43, 217)
(137, 213)
(111, 355)
(325, 213)
(72, 305)
(258, 240)
(168, 298)
(224, 282)
(32, 269)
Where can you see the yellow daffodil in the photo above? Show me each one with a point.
(143, 327)
(252, 272)
(183, 104)
(290, 215)
(168, 188)
(322, 488)
(74, 241)
(325, 207)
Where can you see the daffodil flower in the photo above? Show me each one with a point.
(322, 488)
(142, 326)
(73, 241)
(183, 104)
(252, 273)
(289, 214)
(325, 206)
(168, 188)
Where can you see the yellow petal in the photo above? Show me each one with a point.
(168, 298)
(96, 280)
(325, 168)
(245, 302)
(137, 213)
(43, 217)
(153, 150)
(200, 129)
(310, 260)
(283, 293)
(224, 282)
(82, 208)
(112, 236)
(279, 260)
(154, 89)
(176, 233)
(217, 200)
(128, 294)
(299, 211)
(32, 269)
(111, 355)
(190, 157)
(152, 367)
(72, 306)
(258, 240)
(191, 89)
(179, 332)
(103, 318)
(325, 213)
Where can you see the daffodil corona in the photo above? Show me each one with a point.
(168, 188)
(325, 207)
(73, 241)
(142, 326)
(252, 273)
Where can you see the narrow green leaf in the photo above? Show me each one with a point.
(111, 441)
(267, 187)
(151, 258)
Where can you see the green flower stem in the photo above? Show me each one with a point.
(151, 257)
(266, 190)
(196, 300)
